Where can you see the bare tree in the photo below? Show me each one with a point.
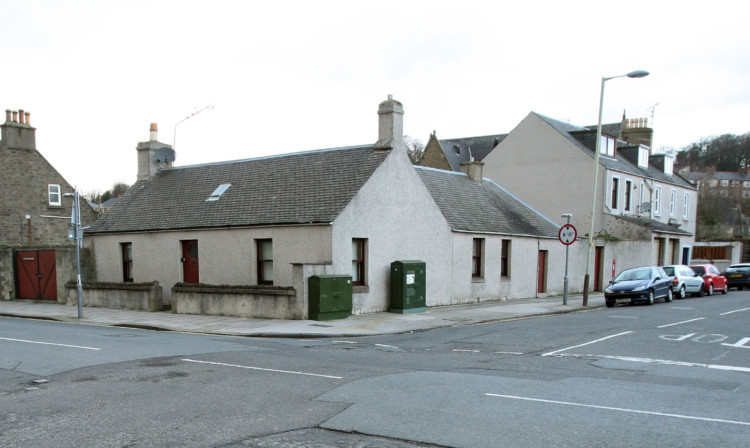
(415, 148)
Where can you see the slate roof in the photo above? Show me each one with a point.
(718, 175)
(308, 187)
(585, 138)
(653, 225)
(484, 207)
(459, 150)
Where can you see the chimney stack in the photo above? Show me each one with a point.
(473, 169)
(390, 124)
(16, 132)
(153, 155)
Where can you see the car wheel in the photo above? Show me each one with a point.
(725, 290)
(681, 294)
(668, 298)
(710, 290)
(609, 303)
(650, 300)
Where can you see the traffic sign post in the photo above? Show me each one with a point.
(567, 235)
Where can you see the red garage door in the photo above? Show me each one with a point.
(36, 274)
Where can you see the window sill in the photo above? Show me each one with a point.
(360, 289)
(504, 279)
(477, 279)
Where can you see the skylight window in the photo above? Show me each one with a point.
(218, 193)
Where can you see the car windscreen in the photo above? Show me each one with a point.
(669, 270)
(698, 270)
(634, 274)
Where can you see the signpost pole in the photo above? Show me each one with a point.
(567, 250)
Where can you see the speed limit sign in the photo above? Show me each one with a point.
(567, 234)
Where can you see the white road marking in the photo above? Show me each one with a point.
(50, 343)
(343, 342)
(735, 311)
(634, 411)
(461, 350)
(509, 353)
(678, 323)
(662, 362)
(587, 343)
(260, 368)
(386, 346)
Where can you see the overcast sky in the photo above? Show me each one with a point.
(289, 76)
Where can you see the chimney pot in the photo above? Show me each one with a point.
(28, 118)
(21, 116)
(154, 132)
(15, 116)
(7, 115)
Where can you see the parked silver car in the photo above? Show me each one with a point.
(685, 281)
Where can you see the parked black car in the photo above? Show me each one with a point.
(738, 276)
(639, 285)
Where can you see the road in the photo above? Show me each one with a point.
(672, 374)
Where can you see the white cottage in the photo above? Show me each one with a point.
(278, 220)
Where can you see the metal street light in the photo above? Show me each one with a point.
(633, 74)
(75, 223)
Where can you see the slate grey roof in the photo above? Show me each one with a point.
(308, 187)
(653, 225)
(483, 207)
(585, 139)
(718, 175)
(459, 150)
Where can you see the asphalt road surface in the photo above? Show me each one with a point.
(671, 374)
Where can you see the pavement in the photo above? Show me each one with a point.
(356, 325)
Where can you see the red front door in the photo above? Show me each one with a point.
(36, 275)
(598, 267)
(190, 261)
(541, 284)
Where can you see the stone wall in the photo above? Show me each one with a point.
(259, 302)
(127, 296)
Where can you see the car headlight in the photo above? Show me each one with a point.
(640, 288)
(609, 290)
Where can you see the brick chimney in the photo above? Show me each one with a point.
(473, 169)
(16, 132)
(153, 155)
(390, 124)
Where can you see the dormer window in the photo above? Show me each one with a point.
(218, 193)
(668, 165)
(643, 156)
(607, 147)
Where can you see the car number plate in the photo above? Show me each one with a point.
(735, 275)
(622, 301)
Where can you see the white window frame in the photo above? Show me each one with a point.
(51, 194)
(656, 202)
(724, 183)
(668, 165)
(641, 197)
(673, 202)
(627, 200)
(643, 157)
(686, 206)
(607, 146)
(614, 194)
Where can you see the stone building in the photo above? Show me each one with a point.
(36, 257)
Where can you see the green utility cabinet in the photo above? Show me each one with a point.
(408, 286)
(330, 297)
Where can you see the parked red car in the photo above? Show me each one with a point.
(712, 276)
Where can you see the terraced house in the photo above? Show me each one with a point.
(275, 221)
(645, 212)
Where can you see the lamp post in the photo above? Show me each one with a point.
(75, 223)
(633, 74)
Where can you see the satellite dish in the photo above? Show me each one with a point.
(164, 155)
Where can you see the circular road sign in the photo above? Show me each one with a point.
(567, 234)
